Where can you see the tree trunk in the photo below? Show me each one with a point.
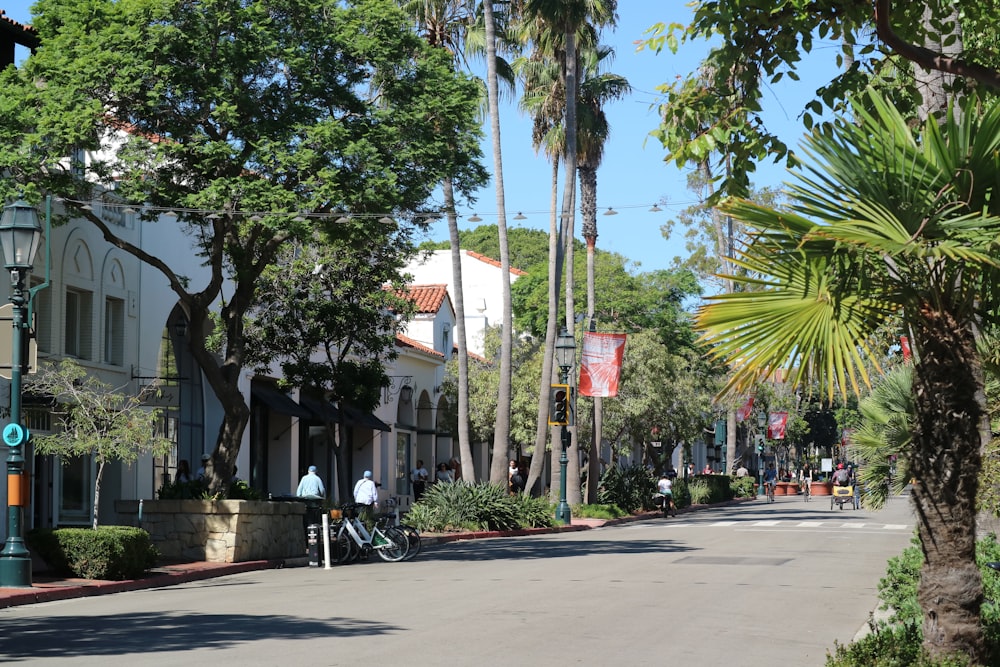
(464, 446)
(543, 431)
(97, 491)
(588, 209)
(946, 465)
(501, 431)
(573, 495)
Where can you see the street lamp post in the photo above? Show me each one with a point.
(20, 233)
(761, 427)
(565, 356)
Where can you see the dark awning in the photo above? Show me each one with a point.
(362, 418)
(324, 411)
(278, 401)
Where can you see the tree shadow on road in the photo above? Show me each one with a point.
(121, 634)
(528, 547)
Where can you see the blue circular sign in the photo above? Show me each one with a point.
(13, 434)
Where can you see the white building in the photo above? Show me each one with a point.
(481, 284)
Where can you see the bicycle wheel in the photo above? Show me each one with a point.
(344, 548)
(413, 538)
(397, 547)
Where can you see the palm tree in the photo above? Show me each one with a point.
(885, 434)
(501, 432)
(596, 89)
(554, 26)
(445, 24)
(886, 224)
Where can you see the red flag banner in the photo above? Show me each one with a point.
(904, 344)
(601, 364)
(776, 423)
(743, 411)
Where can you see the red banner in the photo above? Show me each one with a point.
(904, 344)
(743, 411)
(601, 364)
(776, 423)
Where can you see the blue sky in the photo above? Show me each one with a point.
(633, 175)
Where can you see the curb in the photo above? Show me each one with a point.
(165, 576)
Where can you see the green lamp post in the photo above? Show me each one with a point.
(20, 234)
(565, 356)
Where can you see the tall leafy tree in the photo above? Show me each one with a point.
(330, 323)
(251, 120)
(887, 223)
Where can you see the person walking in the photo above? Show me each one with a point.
(310, 486)
(366, 495)
(419, 479)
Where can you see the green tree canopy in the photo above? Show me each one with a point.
(254, 121)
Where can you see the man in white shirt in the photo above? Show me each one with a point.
(366, 495)
(310, 486)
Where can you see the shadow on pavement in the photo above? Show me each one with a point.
(114, 634)
(528, 547)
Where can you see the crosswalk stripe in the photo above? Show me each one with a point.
(767, 523)
(810, 524)
(896, 526)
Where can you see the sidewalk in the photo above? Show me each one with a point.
(47, 589)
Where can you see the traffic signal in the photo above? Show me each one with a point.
(559, 405)
(760, 447)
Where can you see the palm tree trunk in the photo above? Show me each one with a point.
(543, 430)
(588, 209)
(464, 446)
(501, 431)
(946, 467)
(573, 495)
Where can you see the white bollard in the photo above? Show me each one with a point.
(326, 541)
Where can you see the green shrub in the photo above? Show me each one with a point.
(631, 487)
(194, 489)
(460, 506)
(700, 492)
(682, 494)
(893, 646)
(108, 552)
(742, 487)
(898, 642)
(598, 511)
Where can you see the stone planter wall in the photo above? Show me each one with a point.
(219, 531)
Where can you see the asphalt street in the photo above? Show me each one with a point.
(752, 584)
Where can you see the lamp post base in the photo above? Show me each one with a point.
(15, 571)
(563, 514)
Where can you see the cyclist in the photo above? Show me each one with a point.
(770, 479)
(664, 487)
(805, 479)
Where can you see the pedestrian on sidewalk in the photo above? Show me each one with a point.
(310, 486)
(366, 495)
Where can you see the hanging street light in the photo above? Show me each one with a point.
(20, 234)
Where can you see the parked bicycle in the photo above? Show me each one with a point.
(351, 539)
(412, 534)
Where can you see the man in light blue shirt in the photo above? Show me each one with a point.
(311, 486)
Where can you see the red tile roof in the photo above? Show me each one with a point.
(406, 341)
(427, 298)
(493, 262)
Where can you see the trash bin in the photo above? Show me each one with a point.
(312, 537)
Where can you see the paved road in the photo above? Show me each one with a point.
(748, 585)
